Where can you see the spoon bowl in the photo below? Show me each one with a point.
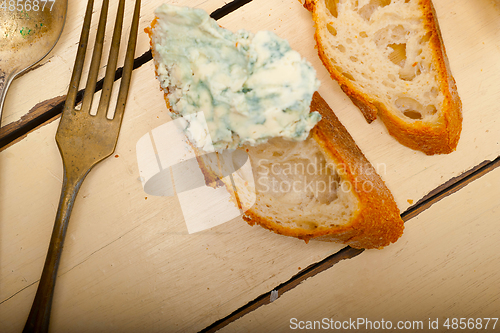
(28, 32)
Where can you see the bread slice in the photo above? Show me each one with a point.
(322, 188)
(329, 191)
(388, 56)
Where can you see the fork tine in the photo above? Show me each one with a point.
(96, 59)
(80, 58)
(109, 78)
(128, 66)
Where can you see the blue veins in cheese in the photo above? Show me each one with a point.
(249, 87)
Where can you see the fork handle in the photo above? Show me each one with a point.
(38, 319)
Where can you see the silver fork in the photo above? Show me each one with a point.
(84, 140)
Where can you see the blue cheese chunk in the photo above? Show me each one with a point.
(250, 87)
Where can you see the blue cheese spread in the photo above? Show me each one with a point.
(250, 87)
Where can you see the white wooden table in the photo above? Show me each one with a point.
(130, 265)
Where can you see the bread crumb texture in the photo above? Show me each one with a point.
(388, 56)
(322, 188)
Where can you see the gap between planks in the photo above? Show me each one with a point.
(45, 112)
(49, 110)
(448, 188)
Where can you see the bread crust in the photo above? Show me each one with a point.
(431, 138)
(376, 222)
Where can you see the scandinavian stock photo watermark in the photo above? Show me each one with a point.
(169, 166)
(314, 176)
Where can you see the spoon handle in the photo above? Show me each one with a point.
(5, 79)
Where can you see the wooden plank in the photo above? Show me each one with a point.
(129, 262)
(267, 298)
(446, 266)
(450, 187)
(350, 253)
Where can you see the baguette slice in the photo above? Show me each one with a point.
(389, 58)
(326, 189)
(322, 188)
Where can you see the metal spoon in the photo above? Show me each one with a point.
(29, 29)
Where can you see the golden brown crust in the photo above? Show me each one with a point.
(377, 222)
(361, 100)
(429, 138)
(309, 5)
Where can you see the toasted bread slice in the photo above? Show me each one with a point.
(388, 56)
(329, 191)
(322, 188)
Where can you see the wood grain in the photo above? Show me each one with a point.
(39, 115)
(434, 197)
(267, 298)
(128, 259)
(446, 266)
(48, 110)
(450, 187)
(129, 263)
